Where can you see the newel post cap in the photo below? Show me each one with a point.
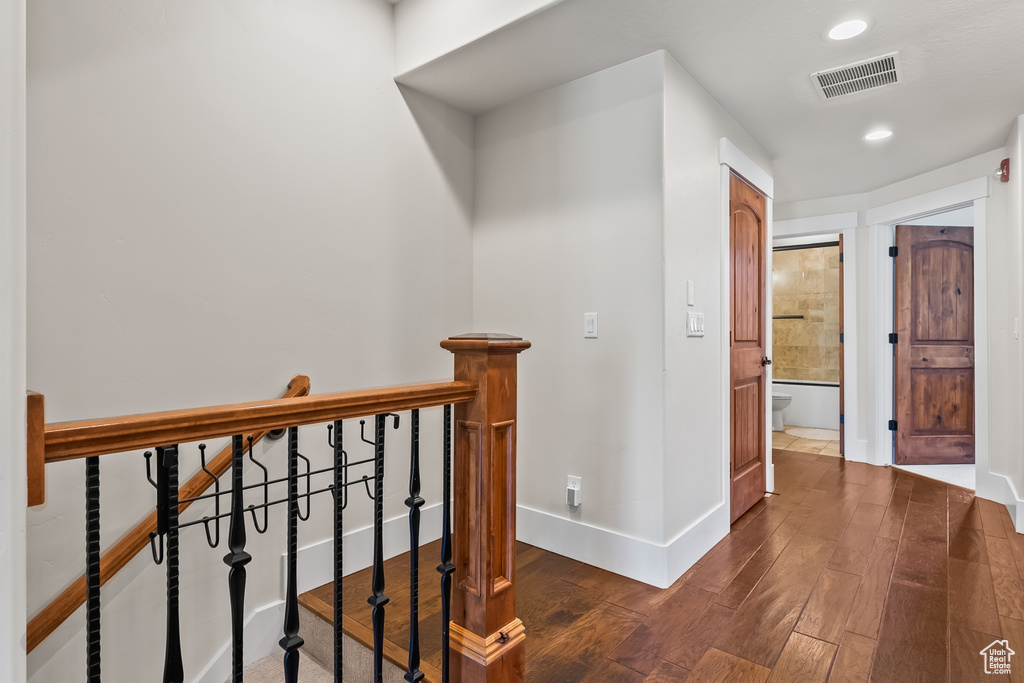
(491, 342)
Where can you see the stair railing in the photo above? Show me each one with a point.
(483, 640)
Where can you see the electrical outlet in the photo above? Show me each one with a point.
(574, 491)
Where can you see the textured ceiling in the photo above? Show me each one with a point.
(963, 67)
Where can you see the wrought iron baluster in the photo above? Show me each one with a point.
(292, 641)
(92, 558)
(174, 671)
(414, 503)
(378, 600)
(237, 558)
(446, 568)
(339, 507)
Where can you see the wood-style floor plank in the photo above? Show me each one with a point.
(824, 617)
(803, 660)
(965, 660)
(853, 661)
(913, 639)
(720, 667)
(668, 673)
(972, 600)
(866, 613)
(851, 573)
(765, 619)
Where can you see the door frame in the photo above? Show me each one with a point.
(881, 222)
(845, 224)
(732, 158)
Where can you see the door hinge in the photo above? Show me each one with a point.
(894, 251)
(842, 419)
(840, 257)
(894, 338)
(893, 425)
(841, 338)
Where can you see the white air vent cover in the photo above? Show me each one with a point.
(865, 75)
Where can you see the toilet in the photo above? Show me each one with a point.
(779, 403)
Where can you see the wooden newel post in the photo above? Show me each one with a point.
(487, 639)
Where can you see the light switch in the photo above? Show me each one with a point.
(590, 325)
(694, 324)
(689, 292)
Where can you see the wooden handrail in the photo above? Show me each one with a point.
(119, 554)
(70, 440)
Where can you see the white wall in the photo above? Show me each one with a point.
(604, 195)
(428, 29)
(12, 341)
(1006, 304)
(223, 195)
(695, 447)
(569, 220)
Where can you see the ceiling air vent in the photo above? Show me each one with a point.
(865, 75)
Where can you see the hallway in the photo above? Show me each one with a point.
(850, 573)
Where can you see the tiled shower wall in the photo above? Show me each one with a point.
(806, 283)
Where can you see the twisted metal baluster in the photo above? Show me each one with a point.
(92, 578)
(292, 641)
(339, 506)
(237, 558)
(378, 600)
(446, 568)
(414, 502)
(174, 670)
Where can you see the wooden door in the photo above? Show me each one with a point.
(934, 362)
(842, 365)
(747, 243)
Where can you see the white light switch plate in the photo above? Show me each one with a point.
(694, 324)
(590, 325)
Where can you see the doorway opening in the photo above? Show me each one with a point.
(934, 347)
(807, 348)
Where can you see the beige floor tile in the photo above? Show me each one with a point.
(807, 446)
(831, 449)
(812, 433)
(781, 439)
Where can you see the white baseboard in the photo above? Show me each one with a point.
(1014, 504)
(315, 568)
(856, 450)
(262, 633)
(655, 564)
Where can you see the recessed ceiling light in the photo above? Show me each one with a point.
(878, 135)
(847, 29)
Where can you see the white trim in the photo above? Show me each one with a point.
(816, 225)
(732, 156)
(844, 224)
(923, 205)
(656, 564)
(726, 380)
(262, 631)
(882, 222)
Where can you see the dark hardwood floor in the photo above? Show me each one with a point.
(850, 573)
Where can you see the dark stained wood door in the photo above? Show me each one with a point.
(934, 363)
(747, 243)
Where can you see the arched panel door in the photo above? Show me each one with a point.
(934, 363)
(747, 244)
